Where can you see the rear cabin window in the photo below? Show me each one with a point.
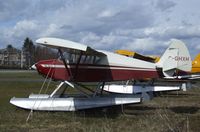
(85, 59)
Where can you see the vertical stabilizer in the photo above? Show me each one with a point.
(196, 64)
(176, 57)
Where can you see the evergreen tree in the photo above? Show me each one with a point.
(28, 45)
(29, 50)
(9, 48)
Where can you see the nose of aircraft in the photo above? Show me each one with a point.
(34, 67)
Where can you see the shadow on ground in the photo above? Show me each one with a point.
(185, 109)
(108, 112)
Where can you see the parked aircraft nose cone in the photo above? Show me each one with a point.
(34, 67)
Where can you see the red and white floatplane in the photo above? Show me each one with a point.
(79, 63)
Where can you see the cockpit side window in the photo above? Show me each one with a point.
(89, 59)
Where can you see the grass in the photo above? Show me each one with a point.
(173, 111)
(15, 74)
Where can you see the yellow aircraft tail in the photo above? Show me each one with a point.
(196, 64)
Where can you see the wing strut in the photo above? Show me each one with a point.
(79, 59)
(63, 59)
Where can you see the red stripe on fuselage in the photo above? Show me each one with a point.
(93, 73)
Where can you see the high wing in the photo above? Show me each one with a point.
(68, 45)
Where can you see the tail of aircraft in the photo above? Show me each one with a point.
(176, 57)
(196, 64)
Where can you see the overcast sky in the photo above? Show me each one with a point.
(143, 26)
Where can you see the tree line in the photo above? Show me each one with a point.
(33, 53)
(36, 53)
